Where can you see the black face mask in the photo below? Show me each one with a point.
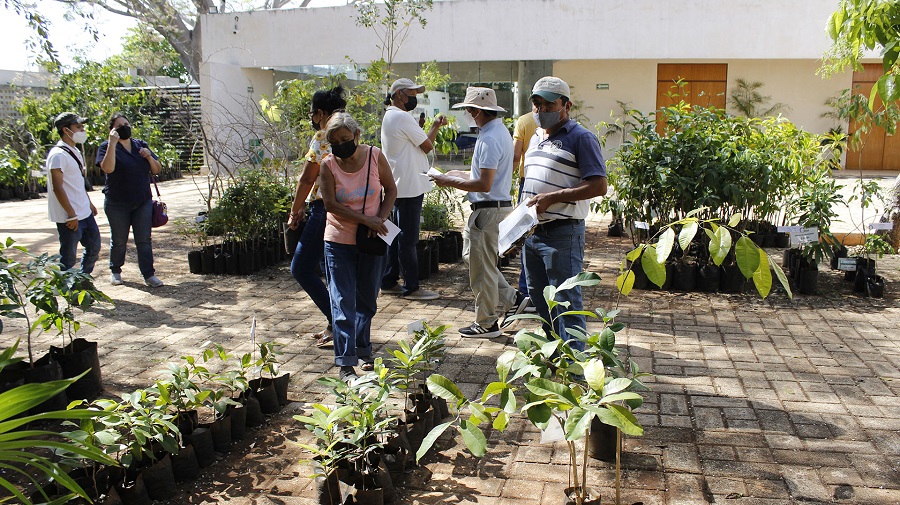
(316, 126)
(124, 132)
(411, 103)
(345, 150)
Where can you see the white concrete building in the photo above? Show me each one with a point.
(607, 50)
(17, 84)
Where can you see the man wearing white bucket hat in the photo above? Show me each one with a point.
(406, 146)
(488, 184)
(563, 171)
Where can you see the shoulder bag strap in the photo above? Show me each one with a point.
(66, 149)
(153, 180)
(368, 173)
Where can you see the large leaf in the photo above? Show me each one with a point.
(664, 245)
(781, 277)
(548, 388)
(635, 253)
(595, 374)
(762, 277)
(687, 234)
(444, 388)
(616, 385)
(582, 279)
(735, 220)
(539, 415)
(432, 436)
(747, 255)
(577, 423)
(628, 423)
(473, 437)
(625, 282)
(655, 272)
(720, 245)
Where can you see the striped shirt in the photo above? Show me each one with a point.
(562, 161)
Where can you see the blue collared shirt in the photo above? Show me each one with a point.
(130, 181)
(493, 151)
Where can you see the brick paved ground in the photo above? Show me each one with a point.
(754, 401)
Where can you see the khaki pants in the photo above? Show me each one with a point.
(480, 254)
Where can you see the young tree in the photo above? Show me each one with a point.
(859, 25)
(176, 20)
(391, 21)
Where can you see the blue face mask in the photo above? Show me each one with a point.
(547, 120)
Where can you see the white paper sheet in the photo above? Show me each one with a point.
(393, 231)
(516, 225)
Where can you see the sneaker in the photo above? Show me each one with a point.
(348, 373)
(115, 279)
(522, 302)
(396, 289)
(153, 281)
(530, 309)
(422, 294)
(476, 330)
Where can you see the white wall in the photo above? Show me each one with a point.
(513, 30)
(792, 82)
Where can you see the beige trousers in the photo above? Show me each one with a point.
(493, 295)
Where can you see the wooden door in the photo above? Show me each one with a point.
(877, 149)
(701, 84)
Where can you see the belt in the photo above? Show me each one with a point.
(492, 204)
(556, 223)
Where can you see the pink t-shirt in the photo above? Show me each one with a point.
(349, 189)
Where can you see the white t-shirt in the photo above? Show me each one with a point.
(73, 184)
(401, 137)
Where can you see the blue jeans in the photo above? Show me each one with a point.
(136, 216)
(308, 256)
(88, 235)
(401, 255)
(551, 257)
(353, 279)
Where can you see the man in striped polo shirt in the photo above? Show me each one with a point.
(563, 171)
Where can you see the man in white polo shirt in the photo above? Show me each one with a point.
(68, 204)
(405, 145)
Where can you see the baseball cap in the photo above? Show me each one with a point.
(481, 98)
(67, 119)
(550, 88)
(405, 83)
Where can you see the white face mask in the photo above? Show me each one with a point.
(469, 119)
(79, 137)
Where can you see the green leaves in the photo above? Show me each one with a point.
(719, 244)
(687, 234)
(655, 271)
(747, 255)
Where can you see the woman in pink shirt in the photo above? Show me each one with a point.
(358, 190)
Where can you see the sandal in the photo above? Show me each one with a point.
(367, 366)
(326, 340)
(322, 334)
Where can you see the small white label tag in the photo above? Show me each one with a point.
(640, 225)
(554, 431)
(807, 235)
(881, 226)
(415, 326)
(789, 229)
(847, 264)
(37, 173)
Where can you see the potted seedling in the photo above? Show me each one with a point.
(555, 385)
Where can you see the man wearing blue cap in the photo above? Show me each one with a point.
(68, 204)
(563, 171)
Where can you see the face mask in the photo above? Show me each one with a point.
(547, 120)
(124, 132)
(345, 150)
(316, 126)
(469, 119)
(411, 103)
(79, 137)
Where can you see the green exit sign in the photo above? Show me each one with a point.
(603, 86)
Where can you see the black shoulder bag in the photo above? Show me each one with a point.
(366, 244)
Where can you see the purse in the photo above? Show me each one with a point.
(366, 244)
(160, 211)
